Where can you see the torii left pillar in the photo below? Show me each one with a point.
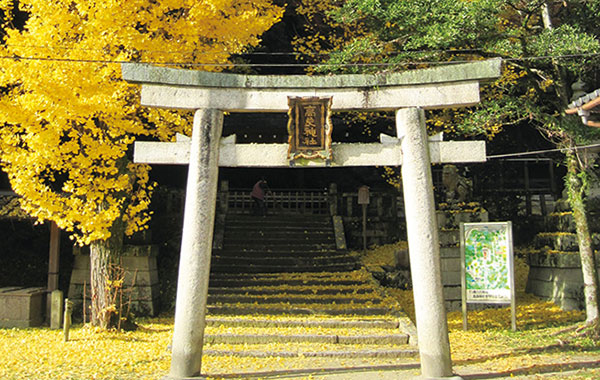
(196, 245)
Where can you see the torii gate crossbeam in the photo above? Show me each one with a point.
(407, 93)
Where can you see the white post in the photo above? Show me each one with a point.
(196, 245)
(423, 245)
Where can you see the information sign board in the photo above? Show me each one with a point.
(487, 263)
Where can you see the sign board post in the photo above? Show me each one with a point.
(363, 200)
(487, 263)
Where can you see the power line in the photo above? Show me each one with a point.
(372, 64)
(520, 154)
(257, 53)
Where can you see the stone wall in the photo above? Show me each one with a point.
(449, 224)
(557, 277)
(554, 264)
(139, 263)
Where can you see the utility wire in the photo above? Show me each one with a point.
(195, 64)
(265, 53)
(520, 154)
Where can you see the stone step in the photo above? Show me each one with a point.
(292, 299)
(276, 268)
(275, 252)
(218, 282)
(307, 279)
(306, 290)
(269, 221)
(249, 238)
(357, 275)
(299, 309)
(308, 350)
(282, 227)
(282, 260)
(282, 246)
(305, 338)
(354, 323)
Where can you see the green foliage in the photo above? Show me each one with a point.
(541, 61)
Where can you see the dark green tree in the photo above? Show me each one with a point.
(546, 45)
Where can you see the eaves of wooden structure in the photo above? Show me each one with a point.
(588, 108)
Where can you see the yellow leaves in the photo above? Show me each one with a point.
(90, 353)
(69, 120)
(382, 255)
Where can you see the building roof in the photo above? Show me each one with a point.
(587, 107)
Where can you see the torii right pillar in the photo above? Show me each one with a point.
(423, 246)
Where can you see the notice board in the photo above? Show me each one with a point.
(487, 262)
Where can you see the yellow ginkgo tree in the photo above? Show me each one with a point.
(67, 120)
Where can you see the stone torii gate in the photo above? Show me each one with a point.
(406, 93)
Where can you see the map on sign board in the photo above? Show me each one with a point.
(309, 129)
(488, 262)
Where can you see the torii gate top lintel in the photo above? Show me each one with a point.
(437, 87)
(143, 73)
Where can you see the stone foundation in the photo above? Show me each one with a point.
(557, 277)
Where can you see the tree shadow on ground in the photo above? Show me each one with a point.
(294, 373)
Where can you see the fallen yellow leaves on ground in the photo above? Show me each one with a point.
(40, 353)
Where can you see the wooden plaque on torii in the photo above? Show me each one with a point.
(309, 128)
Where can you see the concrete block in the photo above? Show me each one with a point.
(140, 250)
(570, 304)
(80, 276)
(453, 305)
(131, 263)
(21, 307)
(142, 293)
(452, 293)
(541, 274)
(449, 238)
(141, 277)
(568, 276)
(561, 260)
(56, 309)
(450, 252)
(451, 264)
(451, 278)
(81, 262)
(543, 289)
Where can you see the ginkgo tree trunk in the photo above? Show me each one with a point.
(67, 120)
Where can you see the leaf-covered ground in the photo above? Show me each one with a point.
(541, 346)
(489, 345)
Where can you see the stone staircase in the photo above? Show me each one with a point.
(279, 243)
(279, 288)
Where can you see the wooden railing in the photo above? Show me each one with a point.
(280, 201)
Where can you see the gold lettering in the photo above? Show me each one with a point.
(311, 131)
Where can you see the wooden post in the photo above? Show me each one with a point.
(528, 209)
(53, 265)
(363, 200)
(333, 199)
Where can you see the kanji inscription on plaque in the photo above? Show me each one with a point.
(309, 128)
